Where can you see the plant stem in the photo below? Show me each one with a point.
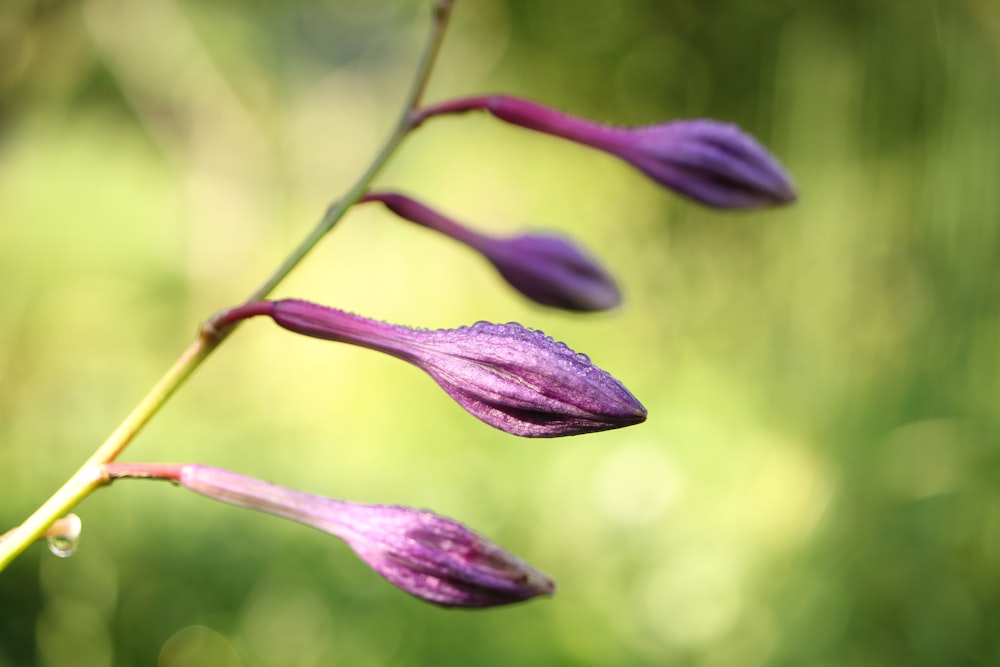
(416, 212)
(405, 123)
(92, 473)
(170, 472)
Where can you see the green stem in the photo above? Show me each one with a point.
(404, 125)
(92, 473)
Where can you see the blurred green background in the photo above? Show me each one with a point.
(819, 479)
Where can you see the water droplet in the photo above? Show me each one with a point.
(62, 546)
(64, 536)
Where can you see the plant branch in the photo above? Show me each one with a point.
(92, 474)
(404, 125)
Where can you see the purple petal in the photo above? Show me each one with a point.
(515, 379)
(547, 269)
(707, 161)
(553, 271)
(438, 559)
(429, 556)
(710, 162)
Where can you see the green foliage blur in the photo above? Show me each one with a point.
(818, 483)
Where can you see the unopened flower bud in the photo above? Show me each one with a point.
(515, 379)
(713, 163)
(552, 271)
(547, 269)
(710, 162)
(429, 556)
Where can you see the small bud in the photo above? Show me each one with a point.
(552, 271)
(710, 162)
(515, 379)
(429, 556)
(549, 270)
(713, 163)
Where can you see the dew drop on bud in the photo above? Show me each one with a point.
(64, 536)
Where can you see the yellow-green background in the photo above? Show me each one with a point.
(818, 482)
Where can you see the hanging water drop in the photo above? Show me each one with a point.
(62, 546)
(64, 536)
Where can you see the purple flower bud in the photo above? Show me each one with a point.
(548, 269)
(515, 379)
(553, 272)
(713, 163)
(427, 555)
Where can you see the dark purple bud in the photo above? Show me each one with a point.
(515, 379)
(713, 163)
(553, 272)
(429, 556)
(550, 270)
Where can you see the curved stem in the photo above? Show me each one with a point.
(170, 472)
(533, 116)
(92, 473)
(423, 215)
(405, 123)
